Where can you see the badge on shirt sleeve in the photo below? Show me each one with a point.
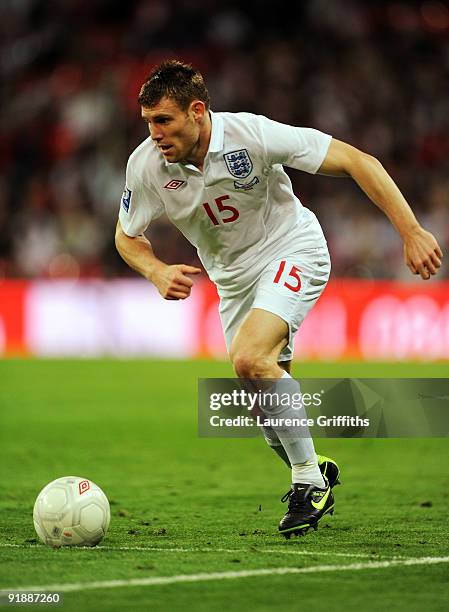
(126, 199)
(239, 163)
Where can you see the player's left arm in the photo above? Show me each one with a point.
(421, 251)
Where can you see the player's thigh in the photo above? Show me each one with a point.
(233, 312)
(290, 287)
(261, 333)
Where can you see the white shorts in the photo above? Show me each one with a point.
(288, 287)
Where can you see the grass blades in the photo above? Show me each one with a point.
(187, 505)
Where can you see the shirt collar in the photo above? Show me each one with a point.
(217, 133)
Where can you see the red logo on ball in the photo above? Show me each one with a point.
(83, 486)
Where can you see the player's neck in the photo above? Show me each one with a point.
(199, 152)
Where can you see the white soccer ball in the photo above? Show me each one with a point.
(71, 511)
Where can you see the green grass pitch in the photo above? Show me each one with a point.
(183, 505)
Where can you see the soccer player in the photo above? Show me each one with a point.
(220, 179)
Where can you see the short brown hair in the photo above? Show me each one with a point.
(176, 80)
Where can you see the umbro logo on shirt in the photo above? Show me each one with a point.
(176, 184)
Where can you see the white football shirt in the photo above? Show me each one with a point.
(240, 212)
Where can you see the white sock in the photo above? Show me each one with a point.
(296, 442)
(308, 473)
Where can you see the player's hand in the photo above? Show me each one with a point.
(173, 282)
(422, 253)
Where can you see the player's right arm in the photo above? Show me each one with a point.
(171, 281)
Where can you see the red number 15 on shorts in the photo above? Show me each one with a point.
(282, 275)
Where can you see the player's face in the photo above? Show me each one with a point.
(175, 131)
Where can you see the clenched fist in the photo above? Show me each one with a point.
(173, 282)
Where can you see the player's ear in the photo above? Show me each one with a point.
(198, 109)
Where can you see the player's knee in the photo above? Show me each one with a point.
(250, 365)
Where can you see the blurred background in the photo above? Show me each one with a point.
(374, 74)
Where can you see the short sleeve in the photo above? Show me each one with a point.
(140, 204)
(296, 147)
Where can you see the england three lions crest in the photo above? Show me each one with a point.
(239, 163)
